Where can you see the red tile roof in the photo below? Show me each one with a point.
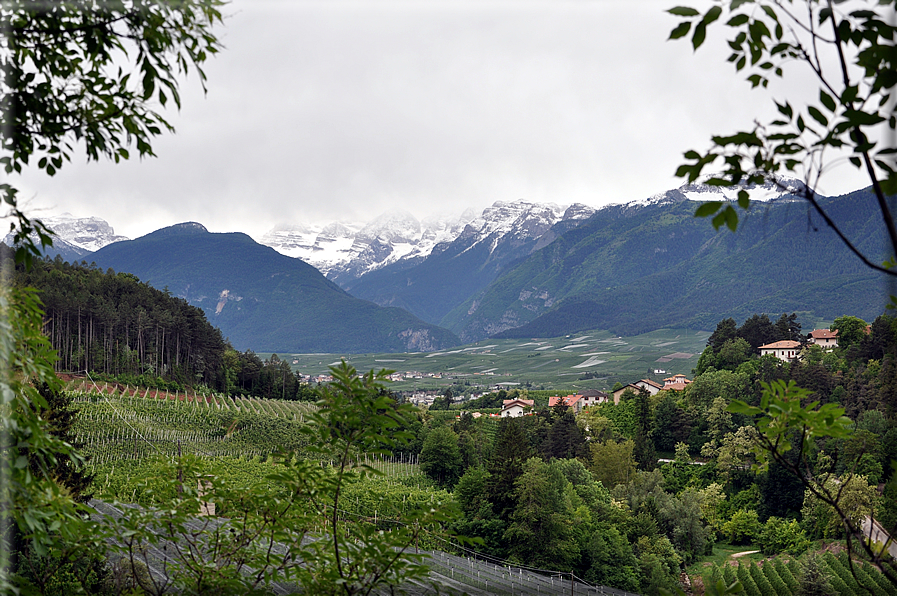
(823, 334)
(565, 401)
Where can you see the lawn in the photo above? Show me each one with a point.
(722, 554)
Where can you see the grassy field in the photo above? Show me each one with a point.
(553, 364)
(722, 555)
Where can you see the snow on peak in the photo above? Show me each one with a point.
(775, 188)
(524, 219)
(88, 234)
(342, 249)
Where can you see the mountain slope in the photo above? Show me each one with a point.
(346, 251)
(453, 271)
(263, 300)
(637, 267)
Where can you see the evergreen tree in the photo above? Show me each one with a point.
(60, 417)
(725, 330)
(564, 440)
(644, 453)
(511, 451)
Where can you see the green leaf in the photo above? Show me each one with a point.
(681, 30)
(707, 209)
(684, 11)
(817, 115)
(744, 199)
(731, 218)
(785, 109)
(738, 20)
(699, 35)
(712, 14)
(739, 407)
(827, 100)
(769, 11)
(861, 118)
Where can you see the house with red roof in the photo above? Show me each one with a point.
(675, 383)
(580, 400)
(824, 338)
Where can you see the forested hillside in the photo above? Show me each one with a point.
(115, 327)
(634, 268)
(263, 300)
(586, 491)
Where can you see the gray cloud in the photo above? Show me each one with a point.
(321, 110)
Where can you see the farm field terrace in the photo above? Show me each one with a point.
(553, 364)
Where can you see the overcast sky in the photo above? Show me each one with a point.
(324, 110)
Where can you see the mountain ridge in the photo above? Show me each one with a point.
(264, 300)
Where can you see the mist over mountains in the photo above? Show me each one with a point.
(518, 269)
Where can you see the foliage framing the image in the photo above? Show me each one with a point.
(91, 73)
(298, 533)
(783, 412)
(854, 102)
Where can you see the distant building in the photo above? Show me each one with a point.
(580, 400)
(591, 397)
(619, 392)
(824, 338)
(650, 386)
(514, 408)
(783, 350)
(675, 383)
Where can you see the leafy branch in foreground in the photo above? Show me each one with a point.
(298, 533)
(785, 417)
(850, 50)
(64, 83)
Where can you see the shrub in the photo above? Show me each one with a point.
(778, 536)
(743, 527)
(786, 575)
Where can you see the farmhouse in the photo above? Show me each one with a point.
(650, 386)
(824, 338)
(514, 408)
(783, 350)
(619, 392)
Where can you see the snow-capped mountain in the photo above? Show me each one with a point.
(347, 251)
(76, 236)
(782, 188)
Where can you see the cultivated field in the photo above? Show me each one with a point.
(554, 364)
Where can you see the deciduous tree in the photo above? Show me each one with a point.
(849, 49)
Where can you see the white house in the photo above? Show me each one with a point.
(824, 338)
(783, 350)
(514, 408)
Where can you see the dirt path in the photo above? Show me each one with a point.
(747, 552)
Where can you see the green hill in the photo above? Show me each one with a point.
(634, 268)
(263, 300)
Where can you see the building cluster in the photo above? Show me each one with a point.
(789, 349)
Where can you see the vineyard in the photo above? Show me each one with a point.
(776, 577)
(130, 435)
(117, 423)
